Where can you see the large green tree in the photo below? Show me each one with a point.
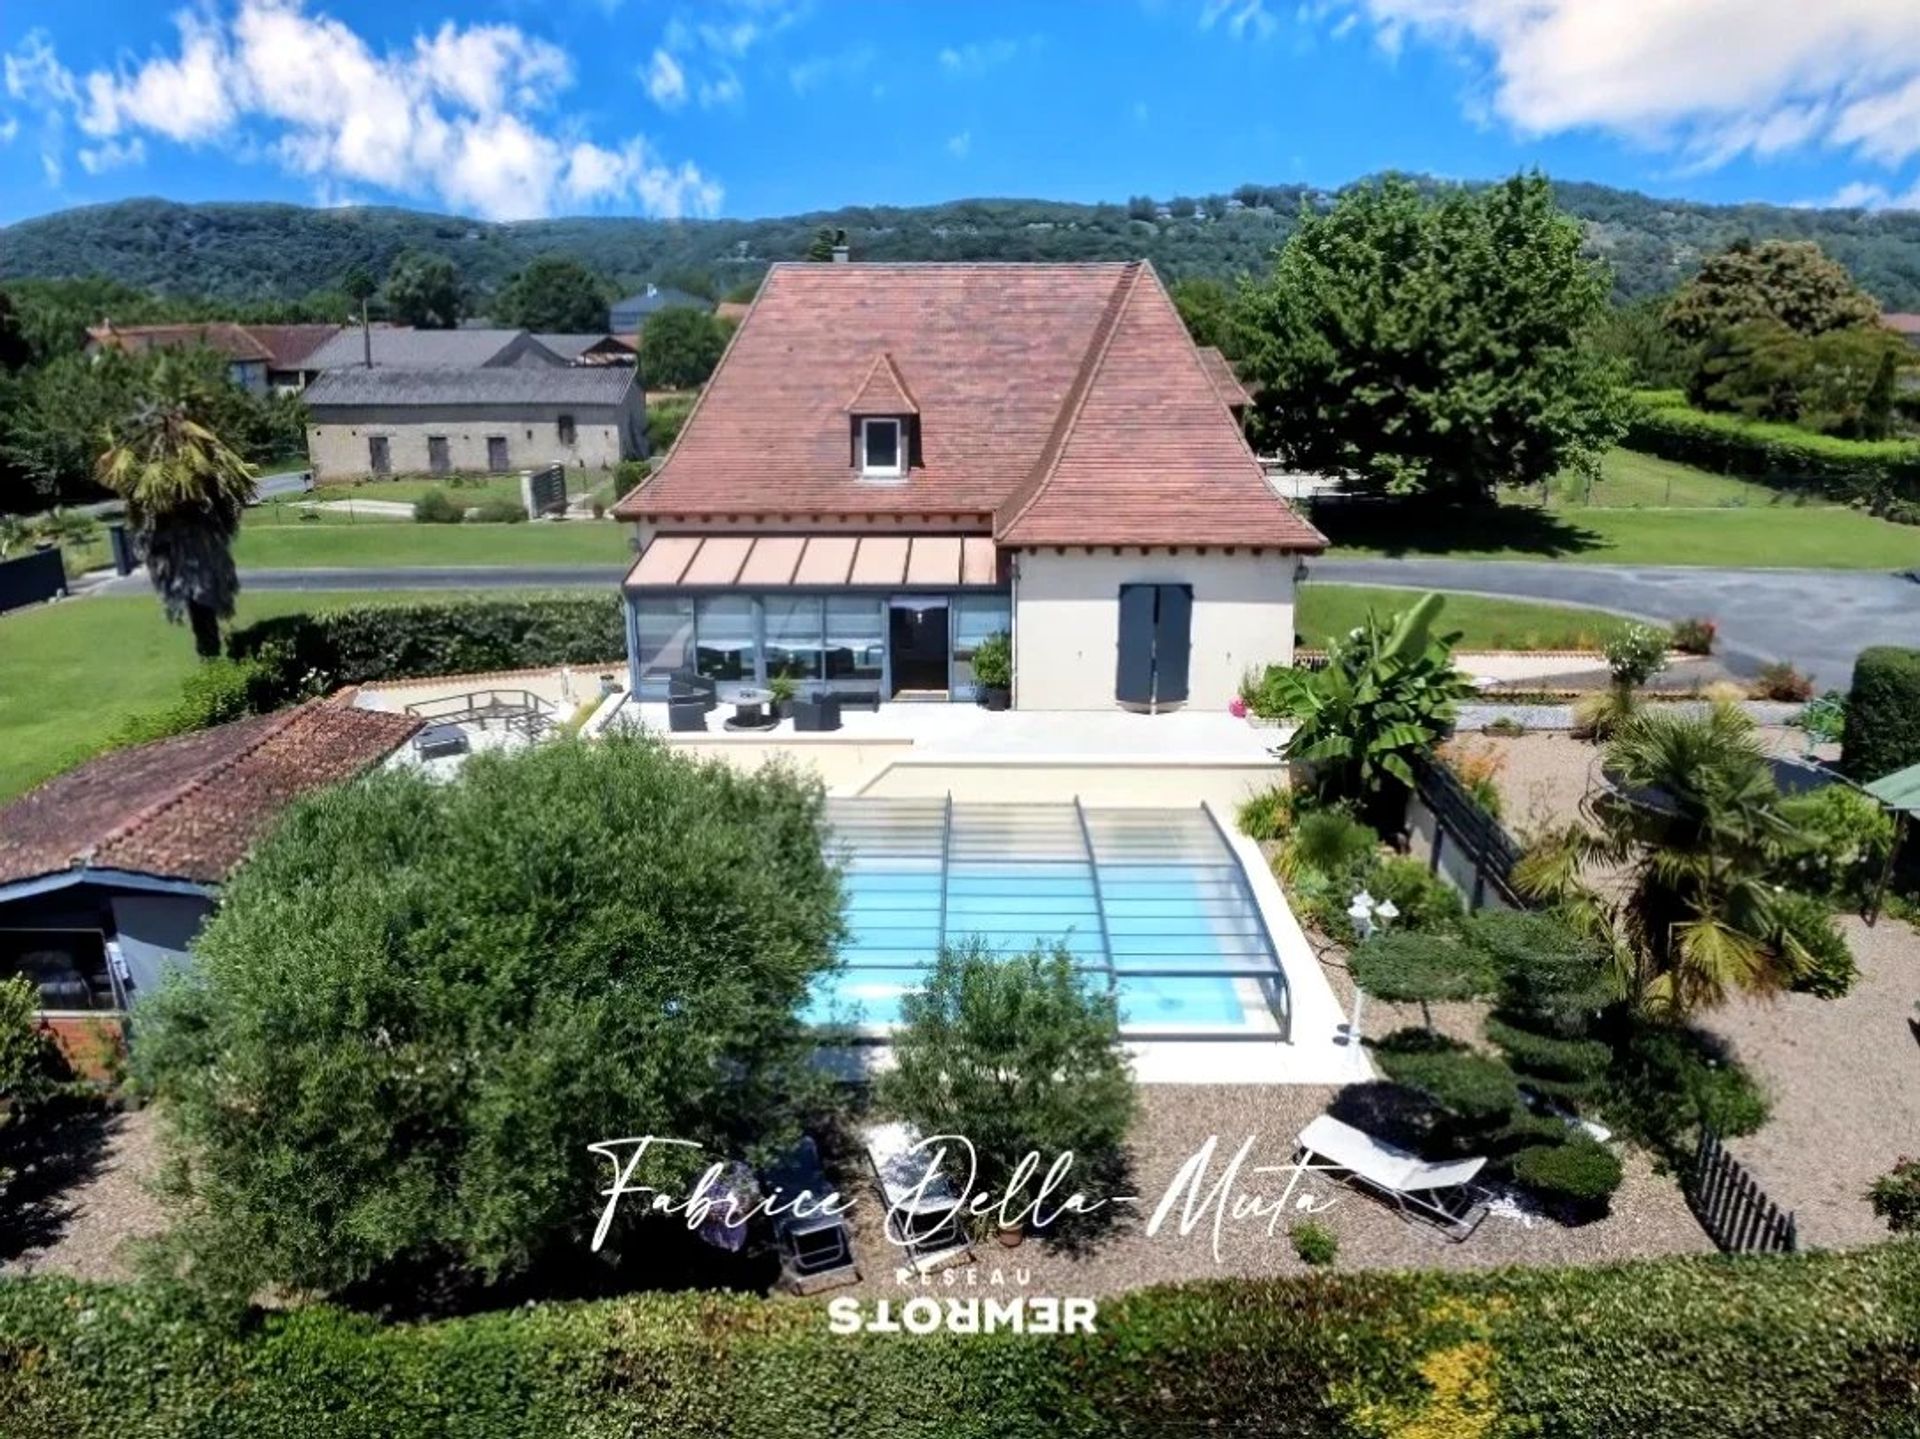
(553, 294)
(186, 491)
(421, 1001)
(1208, 308)
(1792, 282)
(679, 348)
(423, 290)
(1434, 345)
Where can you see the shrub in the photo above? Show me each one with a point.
(1843, 838)
(1477, 767)
(368, 643)
(419, 1001)
(1411, 968)
(1314, 1243)
(500, 511)
(1695, 636)
(1478, 1092)
(664, 422)
(1565, 1069)
(1578, 1174)
(1895, 1197)
(1424, 901)
(1600, 715)
(1824, 719)
(1883, 714)
(1330, 842)
(1781, 681)
(1868, 472)
(437, 507)
(1019, 1053)
(993, 661)
(1665, 1081)
(1826, 967)
(1505, 727)
(213, 692)
(1635, 655)
(1546, 969)
(1267, 815)
(1700, 1347)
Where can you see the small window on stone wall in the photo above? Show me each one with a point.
(566, 429)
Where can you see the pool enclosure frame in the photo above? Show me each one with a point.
(927, 830)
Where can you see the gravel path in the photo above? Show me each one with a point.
(81, 1227)
(1844, 1078)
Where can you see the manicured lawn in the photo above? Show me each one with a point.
(389, 544)
(1629, 479)
(1328, 610)
(76, 670)
(1741, 526)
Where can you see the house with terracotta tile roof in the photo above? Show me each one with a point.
(259, 357)
(108, 870)
(893, 462)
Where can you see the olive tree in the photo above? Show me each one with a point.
(420, 1002)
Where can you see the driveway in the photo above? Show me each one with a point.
(1817, 620)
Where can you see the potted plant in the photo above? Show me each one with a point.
(993, 670)
(782, 688)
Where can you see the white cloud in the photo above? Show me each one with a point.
(1241, 18)
(812, 74)
(1708, 79)
(465, 114)
(721, 89)
(666, 81)
(977, 58)
(959, 146)
(9, 130)
(1865, 195)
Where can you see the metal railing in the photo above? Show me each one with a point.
(1734, 1210)
(1492, 852)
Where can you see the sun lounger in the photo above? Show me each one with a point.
(922, 1220)
(1438, 1193)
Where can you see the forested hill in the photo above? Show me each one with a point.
(266, 252)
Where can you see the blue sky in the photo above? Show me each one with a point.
(521, 108)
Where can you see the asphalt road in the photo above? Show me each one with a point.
(1816, 620)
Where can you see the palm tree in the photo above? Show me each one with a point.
(185, 491)
(1689, 817)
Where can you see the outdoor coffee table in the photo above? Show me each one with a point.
(749, 710)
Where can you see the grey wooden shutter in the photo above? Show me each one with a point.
(1133, 683)
(1172, 644)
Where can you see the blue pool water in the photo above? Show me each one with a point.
(1151, 901)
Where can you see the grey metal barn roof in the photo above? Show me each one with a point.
(437, 388)
(421, 349)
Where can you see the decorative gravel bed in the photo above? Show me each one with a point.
(80, 1224)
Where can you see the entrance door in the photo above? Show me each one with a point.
(497, 453)
(917, 642)
(379, 455)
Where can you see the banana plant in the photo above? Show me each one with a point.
(1387, 693)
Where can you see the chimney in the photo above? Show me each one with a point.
(841, 253)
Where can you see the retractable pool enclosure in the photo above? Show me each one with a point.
(1153, 902)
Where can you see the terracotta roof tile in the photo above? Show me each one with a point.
(1225, 383)
(1066, 395)
(882, 392)
(190, 807)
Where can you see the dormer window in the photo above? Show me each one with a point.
(883, 447)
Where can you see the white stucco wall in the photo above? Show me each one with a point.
(1066, 622)
(603, 436)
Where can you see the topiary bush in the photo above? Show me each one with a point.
(1577, 1176)
(1665, 1081)
(1405, 967)
(1316, 1244)
(1883, 714)
(1895, 1197)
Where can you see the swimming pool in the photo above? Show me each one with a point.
(1152, 901)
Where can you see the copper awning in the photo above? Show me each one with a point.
(768, 562)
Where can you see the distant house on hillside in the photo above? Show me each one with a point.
(391, 420)
(629, 316)
(260, 358)
(1904, 325)
(399, 348)
(108, 871)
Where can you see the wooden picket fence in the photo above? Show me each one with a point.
(1733, 1209)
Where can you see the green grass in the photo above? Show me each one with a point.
(378, 544)
(77, 670)
(1325, 611)
(1631, 480)
(1726, 524)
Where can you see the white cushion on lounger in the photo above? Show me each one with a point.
(1381, 1163)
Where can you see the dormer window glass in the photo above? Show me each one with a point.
(883, 448)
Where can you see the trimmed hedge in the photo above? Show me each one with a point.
(1867, 472)
(1824, 1344)
(370, 643)
(1883, 714)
